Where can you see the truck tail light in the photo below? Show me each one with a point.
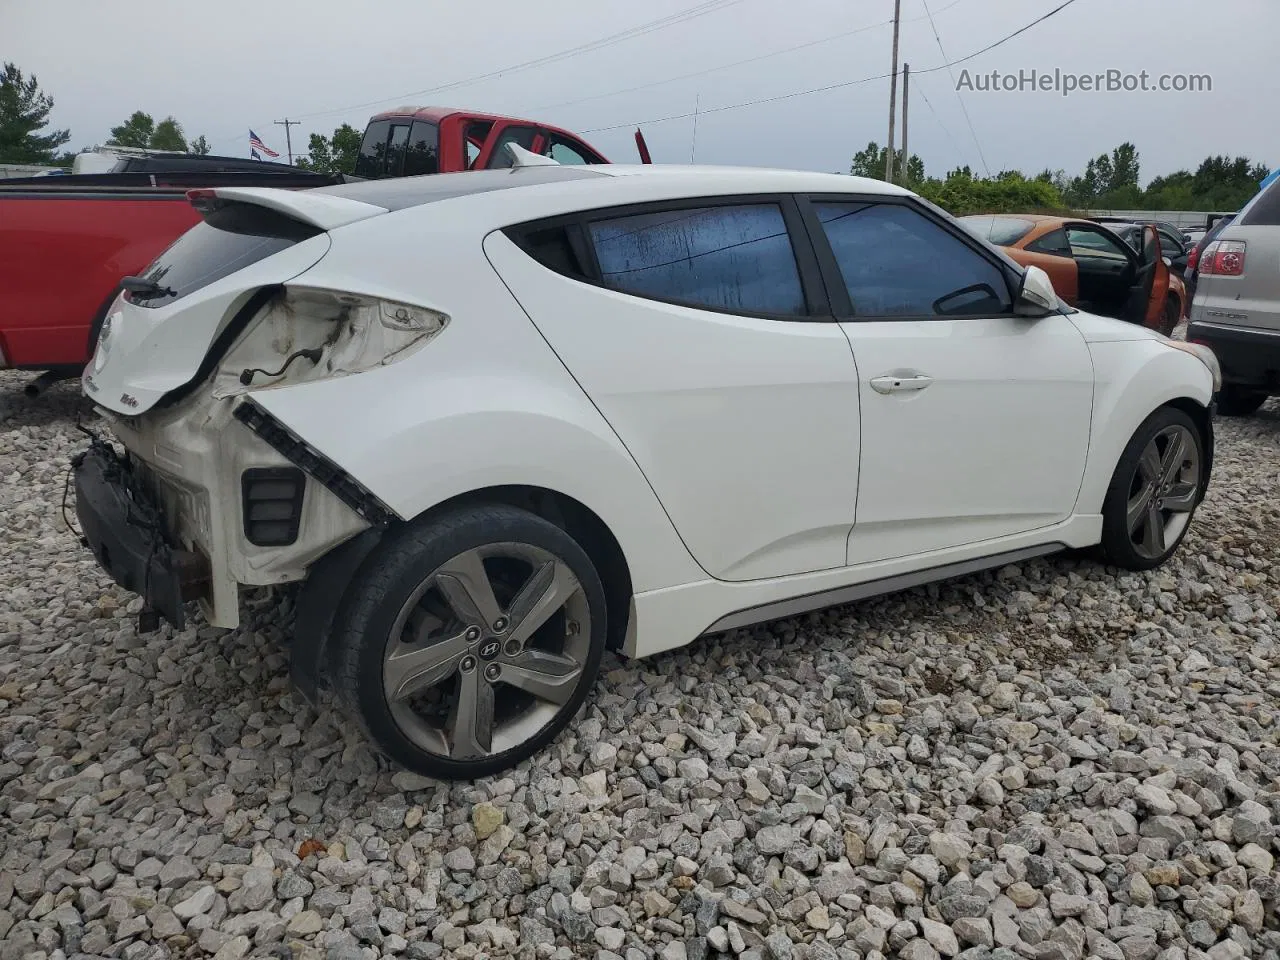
(1223, 258)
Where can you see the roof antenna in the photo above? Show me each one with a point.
(520, 157)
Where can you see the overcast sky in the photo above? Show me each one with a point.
(226, 67)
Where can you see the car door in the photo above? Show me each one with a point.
(1052, 254)
(975, 422)
(1151, 287)
(1107, 266)
(701, 332)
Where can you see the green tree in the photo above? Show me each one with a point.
(168, 135)
(336, 154)
(961, 193)
(24, 112)
(134, 132)
(870, 161)
(1226, 183)
(200, 145)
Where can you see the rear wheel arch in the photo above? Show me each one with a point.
(578, 520)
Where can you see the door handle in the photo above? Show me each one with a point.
(900, 384)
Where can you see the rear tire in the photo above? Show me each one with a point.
(1236, 401)
(470, 640)
(1154, 491)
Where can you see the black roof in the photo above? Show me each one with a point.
(397, 193)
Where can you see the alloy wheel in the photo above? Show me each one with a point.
(486, 651)
(1164, 491)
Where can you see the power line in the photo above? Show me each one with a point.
(699, 10)
(963, 109)
(833, 86)
(938, 120)
(830, 38)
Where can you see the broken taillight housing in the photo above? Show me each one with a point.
(308, 334)
(1223, 258)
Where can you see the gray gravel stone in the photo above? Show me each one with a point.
(1050, 761)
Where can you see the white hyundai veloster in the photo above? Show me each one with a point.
(499, 422)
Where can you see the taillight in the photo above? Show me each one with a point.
(1224, 258)
(1193, 258)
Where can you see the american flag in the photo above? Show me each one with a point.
(257, 146)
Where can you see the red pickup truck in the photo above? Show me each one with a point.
(66, 242)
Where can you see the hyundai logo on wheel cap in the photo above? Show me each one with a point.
(489, 649)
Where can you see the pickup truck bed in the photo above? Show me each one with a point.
(65, 243)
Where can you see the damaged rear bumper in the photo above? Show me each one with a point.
(123, 525)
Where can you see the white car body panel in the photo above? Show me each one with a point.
(760, 452)
(697, 396)
(152, 350)
(1134, 378)
(1010, 393)
(486, 404)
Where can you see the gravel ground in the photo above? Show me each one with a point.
(1050, 761)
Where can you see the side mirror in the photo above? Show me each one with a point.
(1167, 261)
(1036, 297)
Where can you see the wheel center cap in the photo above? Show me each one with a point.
(489, 650)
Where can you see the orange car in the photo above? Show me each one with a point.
(1091, 267)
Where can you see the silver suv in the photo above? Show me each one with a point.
(1236, 310)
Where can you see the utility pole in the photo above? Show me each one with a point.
(287, 123)
(893, 92)
(693, 146)
(906, 154)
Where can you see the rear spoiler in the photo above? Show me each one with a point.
(323, 211)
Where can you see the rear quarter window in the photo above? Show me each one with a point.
(231, 238)
(1263, 210)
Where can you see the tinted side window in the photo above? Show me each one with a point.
(733, 258)
(1170, 244)
(520, 136)
(473, 140)
(424, 150)
(1095, 244)
(1263, 210)
(373, 149)
(897, 263)
(395, 149)
(565, 151)
(1054, 242)
(552, 248)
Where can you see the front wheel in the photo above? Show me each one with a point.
(1154, 491)
(471, 640)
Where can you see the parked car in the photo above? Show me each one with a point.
(1237, 305)
(502, 422)
(66, 243)
(1193, 258)
(1091, 266)
(1173, 243)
